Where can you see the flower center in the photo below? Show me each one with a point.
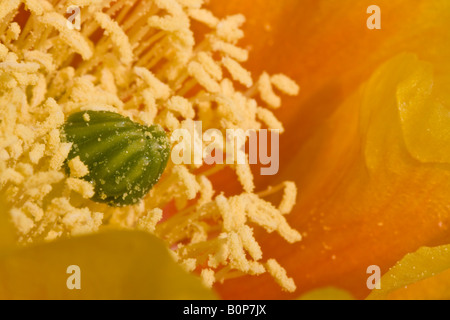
(139, 59)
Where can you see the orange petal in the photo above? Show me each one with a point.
(351, 216)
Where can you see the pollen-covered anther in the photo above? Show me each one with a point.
(204, 16)
(285, 84)
(229, 49)
(77, 168)
(149, 221)
(197, 71)
(189, 264)
(82, 187)
(210, 65)
(208, 277)
(289, 197)
(238, 72)
(279, 273)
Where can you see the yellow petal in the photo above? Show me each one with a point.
(7, 232)
(113, 265)
(328, 293)
(426, 263)
(434, 288)
(424, 102)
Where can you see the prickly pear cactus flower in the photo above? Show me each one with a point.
(114, 114)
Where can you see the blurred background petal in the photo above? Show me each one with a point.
(328, 293)
(7, 231)
(113, 264)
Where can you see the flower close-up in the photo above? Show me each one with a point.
(195, 149)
